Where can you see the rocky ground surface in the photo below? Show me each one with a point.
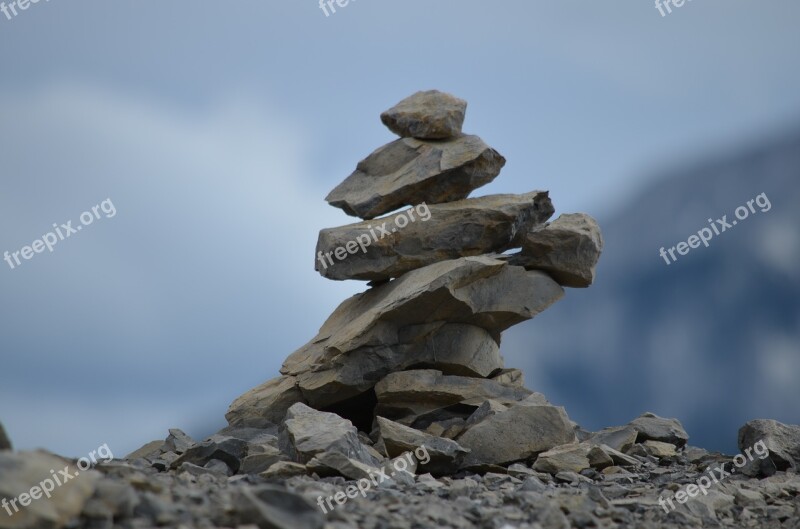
(181, 483)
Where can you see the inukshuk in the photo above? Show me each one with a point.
(415, 359)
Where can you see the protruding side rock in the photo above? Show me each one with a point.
(357, 345)
(406, 395)
(568, 249)
(266, 403)
(620, 438)
(389, 247)
(445, 455)
(408, 171)
(781, 440)
(313, 432)
(651, 427)
(24, 471)
(520, 433)
(5, 442)
(428, 115)
(274, 507)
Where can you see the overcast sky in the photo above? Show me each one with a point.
(216, 130)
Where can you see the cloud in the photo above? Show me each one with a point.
(199, 286)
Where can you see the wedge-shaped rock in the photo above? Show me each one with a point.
(363, 339)
(431, 115)
(620, 438)
(572, 458)
(568, 249)
(312, 433)
(407, 395)
(444, 455)
(408, 172)
(266, 403)
(518, 434)
(781, 441)
(336, 463)
(651, 427)
(391, 246)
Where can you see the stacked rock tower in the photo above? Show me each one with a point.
(415, 359)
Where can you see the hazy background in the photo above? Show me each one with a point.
(217, 128)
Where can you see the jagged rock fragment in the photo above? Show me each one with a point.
(408, 172)
(389, 247)
(431, 115)
(568, 249)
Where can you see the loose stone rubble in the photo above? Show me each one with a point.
(413, 363)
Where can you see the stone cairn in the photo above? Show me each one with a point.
(414, 363)
(415, 360)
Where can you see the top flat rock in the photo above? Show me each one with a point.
(408, 172)
(428, 115)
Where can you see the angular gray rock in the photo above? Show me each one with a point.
(651, 427)
(659, 449)
(274, 507)
(284, 470)
(389, 247)
(258, 463)
(781, 440)
(312, 433)
(178, 441)
(5, 442)
(568, 249)
(445, 455)
(620, 438)
(518, 434)
(408, 172)
(428, 115)
(375, 333)
(406, 395)
(336, 463)
(572, 458)
(229, 450)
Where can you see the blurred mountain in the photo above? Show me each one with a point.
(712, 339)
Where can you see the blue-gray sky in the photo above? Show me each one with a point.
(217, 128)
